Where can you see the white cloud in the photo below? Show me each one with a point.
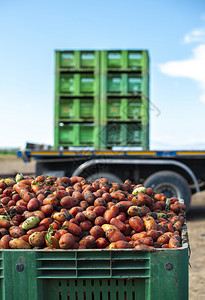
(197, 35)
(189, 68)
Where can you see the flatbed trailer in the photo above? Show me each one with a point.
(175, 173)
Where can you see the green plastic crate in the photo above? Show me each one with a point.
(94, 274)
(126, 84)
(77, 109)
(78, 84)
(125, 60)
(77, 60)
(76, 135)
(126, 109)
(121, 134)
(125, 134)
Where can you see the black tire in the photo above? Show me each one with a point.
(111, 177)
(171, 184)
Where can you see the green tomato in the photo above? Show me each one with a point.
(19, 177)
(30, 222)
(138, 190)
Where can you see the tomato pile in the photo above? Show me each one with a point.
(71, 213)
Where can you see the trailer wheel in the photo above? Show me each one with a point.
(171, 184)
(111, 177)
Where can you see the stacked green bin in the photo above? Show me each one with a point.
(77, 99)
(126, 60)
(102, 99)
(124, 98)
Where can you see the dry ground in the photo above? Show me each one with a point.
(196, 230)
(195, 222)
(9, 164)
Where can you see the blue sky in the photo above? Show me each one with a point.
(173, 32)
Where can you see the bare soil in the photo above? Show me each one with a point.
(9, 164)
(195, 223)
(196, 230)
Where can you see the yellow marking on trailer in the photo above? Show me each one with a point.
(109, 153)
(190, 152)
(45, 153)
(76, 153)
(141, 153)
(84, 152)
(68, 153)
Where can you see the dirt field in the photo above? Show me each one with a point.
(195, 222)
(9, 164)
(196, 230)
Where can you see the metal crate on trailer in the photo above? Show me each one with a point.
(75, 60)
(125, 60)
(95, 274)
(76, 135)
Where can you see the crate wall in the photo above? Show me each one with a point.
(77, 135)
(122, 134)
(120, 109)
(120, 274)
(125, 60)
(77, 109)
(124, 84)
(83, 60)
(77, 84)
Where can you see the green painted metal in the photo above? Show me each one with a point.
(101, 88)
(95, 274)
